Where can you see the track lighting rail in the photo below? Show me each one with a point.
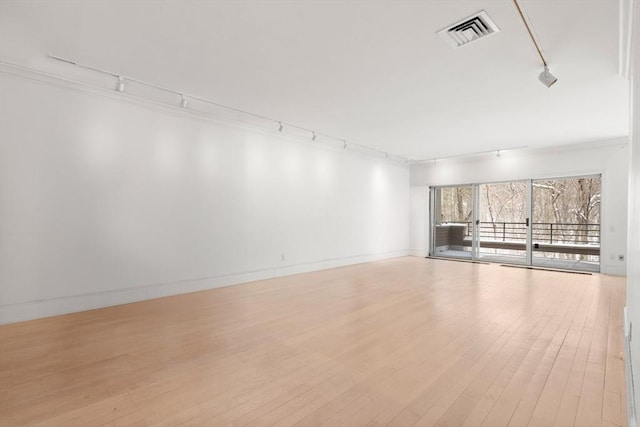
(546, 78)
(281, 125)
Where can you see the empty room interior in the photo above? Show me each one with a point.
(320, 213)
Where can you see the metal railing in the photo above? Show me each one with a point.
(542, 232)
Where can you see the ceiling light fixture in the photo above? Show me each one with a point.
(183, 101)
(546, 78)
(120, 87)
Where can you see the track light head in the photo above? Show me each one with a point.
(120, 86)
(344, 146)
(183, 101)
(280, 127)
(498, 154)
(547, 78)
(313, 136)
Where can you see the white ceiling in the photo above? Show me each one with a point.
(371, 72)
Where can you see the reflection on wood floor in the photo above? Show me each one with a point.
(538, 261)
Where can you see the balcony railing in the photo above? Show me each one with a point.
(542, 232)
(558, 238)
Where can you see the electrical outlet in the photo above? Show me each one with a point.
(620, 257)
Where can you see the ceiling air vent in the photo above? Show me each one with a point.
(469, 29)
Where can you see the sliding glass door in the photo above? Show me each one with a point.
(452, 219)
(503, 221)
(547, 223)
(566, 223)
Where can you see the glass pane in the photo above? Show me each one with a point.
(452, 221)
(566, 223)
(502, 230)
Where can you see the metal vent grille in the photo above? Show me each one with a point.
(469, 29)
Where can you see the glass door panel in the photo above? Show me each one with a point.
(452, 209)
(502, 222)
(566, 223)
(492, 222)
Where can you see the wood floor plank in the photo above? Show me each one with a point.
(525, 344)
(591, 396)
(571, 397)
(407, 341)
(457, 413)
(613, 407)
(549, 401)
(529, 400)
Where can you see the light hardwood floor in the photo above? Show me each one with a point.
(400, 342)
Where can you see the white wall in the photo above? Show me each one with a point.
(419, 227)
(609, 158)
(632, 345)
(104, 202)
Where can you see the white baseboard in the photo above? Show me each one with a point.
(19, 312)
(632, 413)
(418, 252)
